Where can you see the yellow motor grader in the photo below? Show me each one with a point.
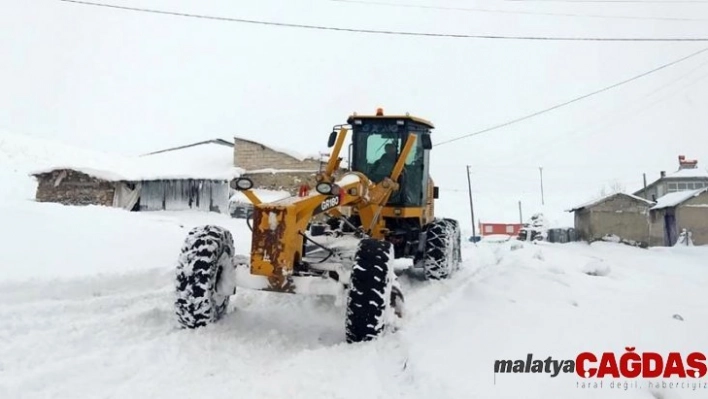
(380, 209)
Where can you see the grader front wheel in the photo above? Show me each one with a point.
(374, 295)
(206, 253)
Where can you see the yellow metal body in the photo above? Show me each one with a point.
(278, 227)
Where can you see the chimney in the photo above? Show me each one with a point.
(687, 164)
(663, 174)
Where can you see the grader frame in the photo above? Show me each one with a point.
(373, 229)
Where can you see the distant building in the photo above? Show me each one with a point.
(620, 214)
(677, 211)
(194, 176)
(688, 177)
(512, 229)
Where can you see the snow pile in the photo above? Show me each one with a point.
(684, 239)
(597, 268)
(536, 229)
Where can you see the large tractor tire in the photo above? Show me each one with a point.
(442, 249)
(374, 295)
(457, 234)
(205, 257)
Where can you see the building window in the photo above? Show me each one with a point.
(488, 229)
(510, 229)
(672, 187)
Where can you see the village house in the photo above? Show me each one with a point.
(619, 214)
(688, 177)
(655, 215)
(677, 211)
(194, 176)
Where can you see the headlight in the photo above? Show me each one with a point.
(324, 188)
(242, 183)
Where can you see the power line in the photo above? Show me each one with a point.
(392, 32)
(496, 11)
(609, 119)
(607, 88)
(613, 1)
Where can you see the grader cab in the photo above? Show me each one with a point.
(380, 209)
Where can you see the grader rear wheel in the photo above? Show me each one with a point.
(442, 249)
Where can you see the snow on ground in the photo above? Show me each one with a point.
(87, 298)
(87, 295)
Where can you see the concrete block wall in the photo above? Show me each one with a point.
(253, 156)
(692, 215)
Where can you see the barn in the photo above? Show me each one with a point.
(191, 177)
(619, 214)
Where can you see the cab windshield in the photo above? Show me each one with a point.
(377, 146)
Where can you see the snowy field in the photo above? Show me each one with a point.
(87, 297)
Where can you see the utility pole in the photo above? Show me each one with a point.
(645, 185)
(469, 188)
(540, 169)
(521, 217)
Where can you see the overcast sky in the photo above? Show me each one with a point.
(132, 82)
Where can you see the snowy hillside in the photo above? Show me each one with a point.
(87, 298)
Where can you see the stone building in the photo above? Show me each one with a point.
(620, 214)
(193, 177)
(73, 187)
(678, 211)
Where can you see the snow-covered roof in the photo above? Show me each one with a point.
(209, 161)
(605, 198)
(288, 152)
(689, 173)
(672, 199)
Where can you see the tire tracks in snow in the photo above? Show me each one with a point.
(430, 298)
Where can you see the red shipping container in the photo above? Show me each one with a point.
(511, 229)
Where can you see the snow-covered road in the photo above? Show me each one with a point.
(87, 313)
